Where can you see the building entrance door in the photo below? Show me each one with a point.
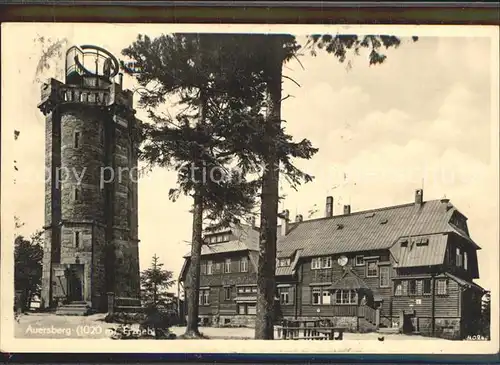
(75, 283)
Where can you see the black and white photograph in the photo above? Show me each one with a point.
(328, 188)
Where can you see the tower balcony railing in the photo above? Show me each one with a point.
(78, 94)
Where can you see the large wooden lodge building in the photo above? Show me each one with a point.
(408, 266)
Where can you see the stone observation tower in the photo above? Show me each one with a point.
(91, 222)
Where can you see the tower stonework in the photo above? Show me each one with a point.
(91, 221)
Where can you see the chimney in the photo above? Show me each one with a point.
(329, 207)
(299, 218)
(284, 222)
(419, 197)
(347, 209)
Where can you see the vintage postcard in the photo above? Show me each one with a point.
(315, 189)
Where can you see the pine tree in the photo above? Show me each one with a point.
(200, 70)
(28, 254)
(278, 50)
(486, 315)
(155, 282)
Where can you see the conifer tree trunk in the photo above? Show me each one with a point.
(194, 269)
(197, 238)
(266, 283)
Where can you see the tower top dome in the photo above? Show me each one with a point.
(87, 63)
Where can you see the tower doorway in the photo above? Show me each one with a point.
(75, 283)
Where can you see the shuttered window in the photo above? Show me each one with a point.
(372, 269)
(385, 276)
(412, 287)
(427, 286)
(442, 287)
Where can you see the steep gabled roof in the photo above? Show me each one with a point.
(367, 230)
(289, 270)
(414, 254)
(349, 280)
(247, 238)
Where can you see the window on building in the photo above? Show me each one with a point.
(385, 276)
(346, 297)
(360, 260)
(466, 264)
(204, 297)
(412, 287)
(285, 295)
(404, 285)
(227, 293)
(247, 289)
(398, 288)
(242, 308)
(316, 263)
(458, 257)
(77, 239)
(251, 309)
(203, 268)
(316, 296)
(219, 238)
(419, 287)
(326, 262)
(227, 266)
(226, 238)
(321, 263)
(247, 308)
(209, 267)
(76, 140)
(426, 287)
(371, 269)
(321, 296)
(442, 286)
(77, 193)
(326, 297)
(244, 264)
(283, 262)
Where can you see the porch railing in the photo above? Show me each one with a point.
(370, 314)
(343, 311)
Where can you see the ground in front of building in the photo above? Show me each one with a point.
(48, 325)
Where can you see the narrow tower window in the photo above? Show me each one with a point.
(77, 239)
(77, 194)
(76, 141)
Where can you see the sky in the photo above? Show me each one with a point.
(425, 118)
